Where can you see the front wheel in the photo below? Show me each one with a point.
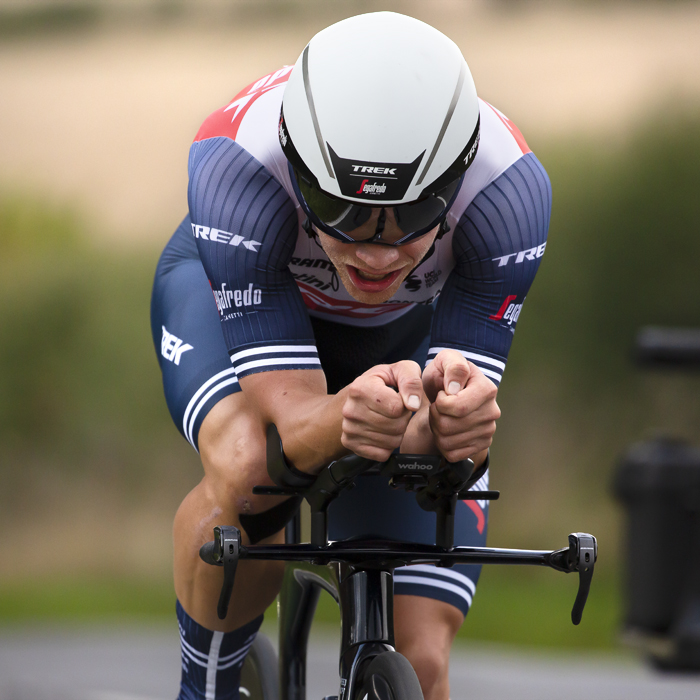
(259, 676)
(390, 676)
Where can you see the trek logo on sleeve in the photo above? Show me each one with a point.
(230, 298)
(216, 235)
(529, 254)
(172, 347)
(509, 311)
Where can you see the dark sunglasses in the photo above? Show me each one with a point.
(340, 218)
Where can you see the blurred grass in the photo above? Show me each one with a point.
(78, 373)
(86, 599)
(88, 452)
(81, 399)
(531, 608)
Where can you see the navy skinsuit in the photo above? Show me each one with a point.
(241, 288)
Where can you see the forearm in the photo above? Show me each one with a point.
(308, 419)
(369, 417)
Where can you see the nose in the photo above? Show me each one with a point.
(377, 257)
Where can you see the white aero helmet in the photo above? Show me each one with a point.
(380, 111)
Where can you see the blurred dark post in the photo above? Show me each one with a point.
(659, 483)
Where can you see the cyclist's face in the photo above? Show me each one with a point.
(373, 273)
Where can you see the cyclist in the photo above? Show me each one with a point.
(356, 216)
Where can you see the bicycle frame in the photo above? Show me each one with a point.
(359, 573)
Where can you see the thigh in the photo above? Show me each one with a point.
(196, 368)
(373, 509)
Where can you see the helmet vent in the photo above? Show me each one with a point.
(445, 124)
(312, 109)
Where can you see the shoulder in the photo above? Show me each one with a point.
(251, 120)
(501, 145)
(227, 120)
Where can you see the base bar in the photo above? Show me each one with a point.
(394, 554)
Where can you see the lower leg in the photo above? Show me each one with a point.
(212, 661)
(197, 585)
(232, 448)
(424, 629)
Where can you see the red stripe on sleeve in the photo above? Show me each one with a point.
(227, 120)
(512, 128)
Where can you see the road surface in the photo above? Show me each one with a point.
(143, 664)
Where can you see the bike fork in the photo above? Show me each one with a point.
(367, 614)
(366, 603)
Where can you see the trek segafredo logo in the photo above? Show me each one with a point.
(238, 298)
(380, 181)
(367, 187)
(218, 236)
(375, 188)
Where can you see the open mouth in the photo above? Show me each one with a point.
(372, 282)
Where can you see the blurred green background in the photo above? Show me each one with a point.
(91, 467)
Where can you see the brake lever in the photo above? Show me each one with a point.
(583, 553)
(224, 551)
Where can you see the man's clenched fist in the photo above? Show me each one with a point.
(379, 407)
(463, 411)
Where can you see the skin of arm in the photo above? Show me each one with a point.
(368, 417)
(371, 419)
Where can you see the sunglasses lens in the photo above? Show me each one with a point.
(326, 208)
(348, 217)
(419, 215)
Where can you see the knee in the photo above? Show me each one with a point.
(233, 471)
(424, 630)
(232, 448)
(431, 665)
